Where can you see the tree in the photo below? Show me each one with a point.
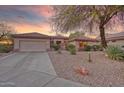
(5, 30)
(69, 18)
(76, 34)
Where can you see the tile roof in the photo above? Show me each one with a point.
(30, 35)
(112, 37)
(84, 38)
(37, 35)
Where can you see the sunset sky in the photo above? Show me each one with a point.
(33, 18)
(28, 18)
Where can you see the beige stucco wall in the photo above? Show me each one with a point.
(63, 46)
(76, 43)
(17, 40)
(58, 40)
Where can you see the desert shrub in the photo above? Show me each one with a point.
(72, 49)
(115, 53)
(5, 48)
(96, 48)
(122, 46)
(70, 46)
(91, 48)
(87, 48)
(55, 46)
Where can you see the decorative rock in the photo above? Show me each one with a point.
(81, 71)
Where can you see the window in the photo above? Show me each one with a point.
(81, 44)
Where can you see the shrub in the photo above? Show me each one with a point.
(56, 47)
(72, 49)
(122, 46)
(87, 48)
(96, 48)
(5, 48)
(91, 48)
(70, 46)
(115, 53)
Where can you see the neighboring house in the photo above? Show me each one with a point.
(115, 39)
(81, 41)
(35, 42)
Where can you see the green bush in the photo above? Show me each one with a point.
(56, 47)
(87, 48)
(91, 48)
(96, 48)
(5, 48)
(72, 49)
(70, 46)
(115, 53)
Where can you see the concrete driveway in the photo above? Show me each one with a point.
(30, 70)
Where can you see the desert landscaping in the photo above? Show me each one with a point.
(102, 71)
(74, 46)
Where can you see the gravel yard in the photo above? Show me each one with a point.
(103, 72)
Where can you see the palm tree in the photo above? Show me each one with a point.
(69, 18)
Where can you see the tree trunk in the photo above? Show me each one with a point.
(102, 35)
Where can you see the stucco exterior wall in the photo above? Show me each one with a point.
(76, 43)
(63, 42)
(58, 40)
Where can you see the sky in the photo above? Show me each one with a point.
(34, 18)
(27, 19)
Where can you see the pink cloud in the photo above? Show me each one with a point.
(44, 10)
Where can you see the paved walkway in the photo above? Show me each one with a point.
(31, 70)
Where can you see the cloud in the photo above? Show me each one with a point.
(27, 18)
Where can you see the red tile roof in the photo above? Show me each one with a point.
(59, 37)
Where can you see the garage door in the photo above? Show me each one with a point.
(32, 46)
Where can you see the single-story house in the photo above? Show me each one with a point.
(112, 39)
(115, 39)
(30, 42)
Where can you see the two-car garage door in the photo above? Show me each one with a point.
(32, 46)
